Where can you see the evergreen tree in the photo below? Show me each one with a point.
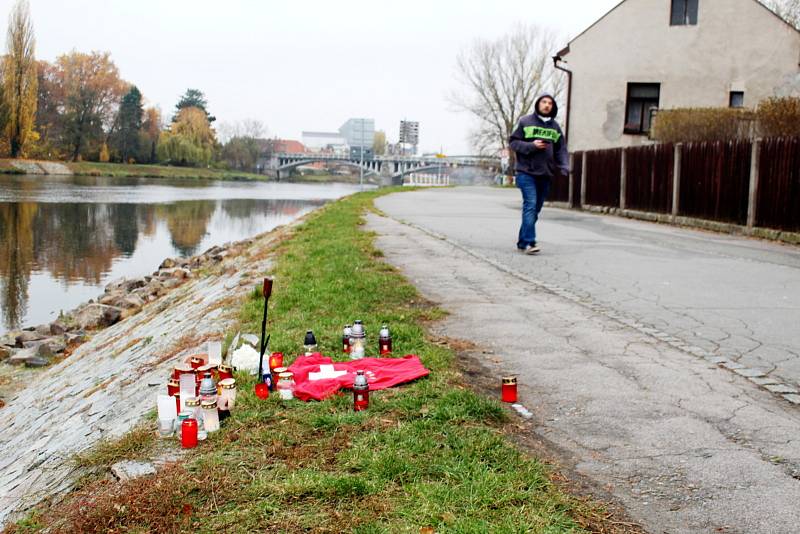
(129, 125)
(194, 98)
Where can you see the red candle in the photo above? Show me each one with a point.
(178, 401)
(196, 361)
(225, 371)
(360, 400)
(275, 360)
(360, 392)
(509, 391)
(189, 433)
(173, 387)
(262, 390)
(180, 369)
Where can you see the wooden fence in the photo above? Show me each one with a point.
(778, 198)
(648, 178)
(604, 168)
(749, 183)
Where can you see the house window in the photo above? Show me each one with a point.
(684, 12)
(642, 100)
(736, 99)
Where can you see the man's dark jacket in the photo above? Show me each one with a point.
(546, 161)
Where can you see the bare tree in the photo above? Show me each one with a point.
(250, 128)
(502, 80)
(789, 10)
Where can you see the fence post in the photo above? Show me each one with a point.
(584, 173)
(676, 181)
(752, 197)
(623, 178)
(569, 177)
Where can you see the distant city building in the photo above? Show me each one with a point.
(408, 138)
(325, 142)
(409, 132)
(359, 132)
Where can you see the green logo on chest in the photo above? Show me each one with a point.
(537, 132)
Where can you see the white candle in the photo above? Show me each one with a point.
(210, 415)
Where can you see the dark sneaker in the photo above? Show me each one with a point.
(532, 249)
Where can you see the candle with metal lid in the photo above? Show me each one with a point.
(358, 339)
(509, 389)
(360, 392)
(384, 341)
(348, 330)
(310, 343)
(210, 415)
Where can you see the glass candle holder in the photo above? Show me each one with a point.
(165, 427)
(286, 385)
(509, 389)
(360, 392)
(210, 415)
(227, 398)
(346, 338)
(173, 387)
(182, 416)
(262, 391)
(193, 404)
(309, 343)
(208, 368)
(224, 371)
(275, 361)
(385, 341)
(358, 340)
(178, 370)
(189, 433)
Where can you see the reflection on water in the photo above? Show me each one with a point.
(56, 255)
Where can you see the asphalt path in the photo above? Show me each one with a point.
(735, 297)
(661, 360)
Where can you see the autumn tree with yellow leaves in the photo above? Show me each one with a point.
(190, 140)
(20, 80)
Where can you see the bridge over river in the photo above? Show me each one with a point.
(384, 169)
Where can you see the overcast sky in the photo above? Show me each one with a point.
(300, 65)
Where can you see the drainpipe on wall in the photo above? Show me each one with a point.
(556, 61)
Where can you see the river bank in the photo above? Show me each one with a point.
(123, 170)
(428, 456)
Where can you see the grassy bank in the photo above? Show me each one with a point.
(428, 456)
(123, 170)
(321, 178)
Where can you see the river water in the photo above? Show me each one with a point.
(63, 238)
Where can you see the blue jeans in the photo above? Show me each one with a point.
(534, 191)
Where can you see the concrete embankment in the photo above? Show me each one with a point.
(40, 167)
(107, 383)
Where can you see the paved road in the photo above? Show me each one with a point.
(737, 298)
(602, 329)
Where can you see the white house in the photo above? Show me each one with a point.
(661, 54)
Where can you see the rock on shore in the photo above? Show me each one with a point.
(122, 298)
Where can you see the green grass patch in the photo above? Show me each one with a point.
(430, 454)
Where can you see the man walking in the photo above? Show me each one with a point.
(541, 151)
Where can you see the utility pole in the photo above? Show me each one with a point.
(361, 151)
